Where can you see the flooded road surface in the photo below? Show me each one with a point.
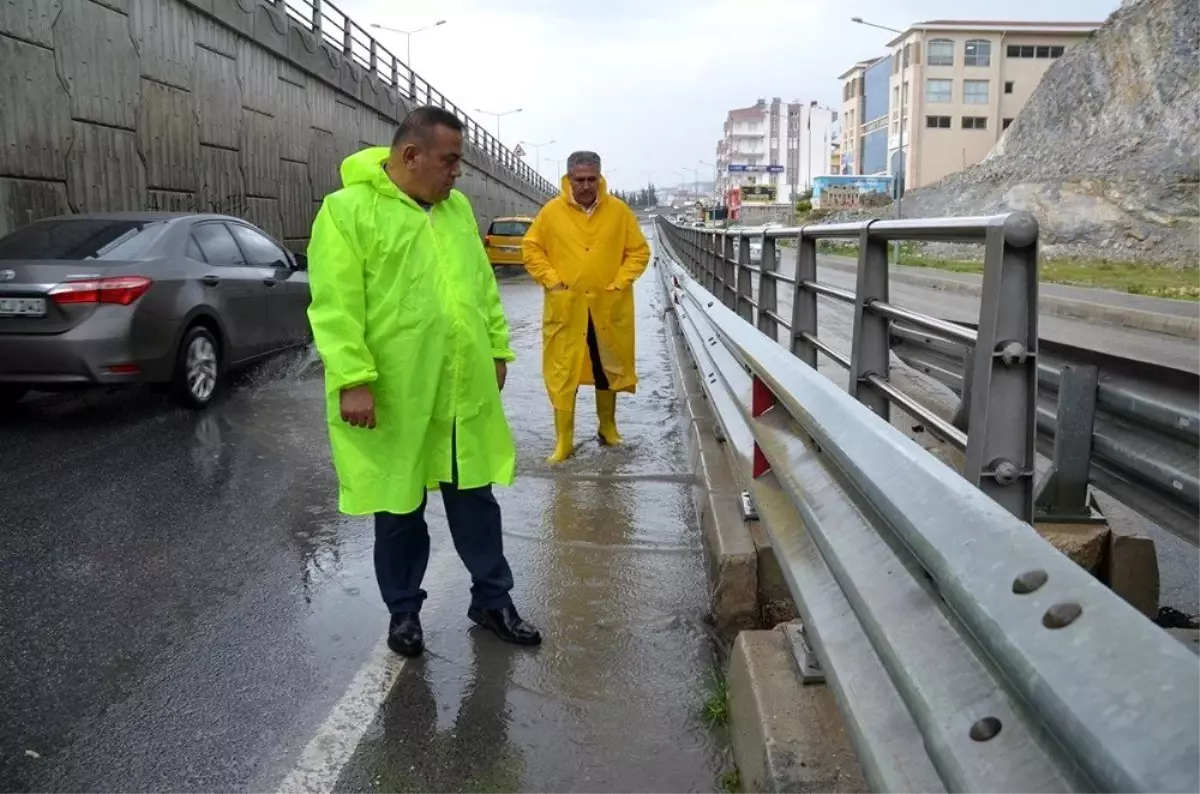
(186, 610)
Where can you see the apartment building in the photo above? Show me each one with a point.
(962, 82)
(774, 149)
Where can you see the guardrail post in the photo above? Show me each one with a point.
(710, 261)
(804, 301)
(317, 24)
(704, 260)
(347, 37)
(1002, 416)
(745, 282)
(870, 347)
(761, 400)
(1062, 495)
(768, 302)
(729, 270)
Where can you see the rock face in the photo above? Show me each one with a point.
(1107, 151)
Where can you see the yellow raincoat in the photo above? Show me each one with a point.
(589, 253)
(406, 301)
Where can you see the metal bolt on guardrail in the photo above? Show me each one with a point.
(1002, 408)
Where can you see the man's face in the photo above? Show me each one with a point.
(433, 164)
(585, 183)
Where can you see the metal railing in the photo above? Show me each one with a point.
(335, 30)
(1002, 409)
(964, 651)
(1130, 428)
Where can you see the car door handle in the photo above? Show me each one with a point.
(270, 282)
(210, 281)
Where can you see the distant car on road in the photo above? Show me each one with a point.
(144, 297)
(503, 240)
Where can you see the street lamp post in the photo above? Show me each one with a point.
(498, 116)
(408, 34)
(902, 172)
(537, 151)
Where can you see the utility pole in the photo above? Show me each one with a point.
(901, 172)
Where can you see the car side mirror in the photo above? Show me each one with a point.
(301, 261)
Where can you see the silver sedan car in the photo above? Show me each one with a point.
(144, 297)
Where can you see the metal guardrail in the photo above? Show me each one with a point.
(334, 29)
(1001, 449)
(964, 651)
(1124, 426)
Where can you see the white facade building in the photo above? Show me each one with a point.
(773, 151)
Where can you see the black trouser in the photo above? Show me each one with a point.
(402, 549)
(594, 350)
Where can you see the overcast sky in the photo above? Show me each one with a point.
(647, 83)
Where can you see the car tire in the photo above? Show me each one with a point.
(198, 372)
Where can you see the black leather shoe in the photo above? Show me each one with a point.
(507, 625)
(404, 634)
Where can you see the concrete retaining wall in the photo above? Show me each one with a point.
(211, 105)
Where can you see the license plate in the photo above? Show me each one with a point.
(22, 307)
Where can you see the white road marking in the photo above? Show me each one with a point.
(331, 748)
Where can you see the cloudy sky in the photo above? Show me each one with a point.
(647, 83)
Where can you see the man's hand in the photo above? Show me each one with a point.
(358, 407)
(612, 288)
(501, 373)
(559, 287)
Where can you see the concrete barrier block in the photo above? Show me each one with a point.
(1130, 570)
(786, 736)
(1084, 544)
(732, 564)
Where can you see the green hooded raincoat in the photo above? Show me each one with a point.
(406, 301)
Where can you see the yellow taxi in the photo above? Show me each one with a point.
(503, 240)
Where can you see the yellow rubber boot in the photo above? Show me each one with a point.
(564, 433)
(606, 410)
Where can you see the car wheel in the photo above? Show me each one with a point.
(198, 368)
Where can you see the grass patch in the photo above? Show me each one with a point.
(731, 781)
(716, 700)
(1135, 278)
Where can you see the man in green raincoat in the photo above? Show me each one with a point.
(407, 319)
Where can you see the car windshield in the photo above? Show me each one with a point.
(509, 228)
(83, 238)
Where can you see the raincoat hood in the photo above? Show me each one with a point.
(569, 195)
(366, 167)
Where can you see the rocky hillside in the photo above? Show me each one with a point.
(1107, 151)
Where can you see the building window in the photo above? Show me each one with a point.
(1031, 51)
(1008, 87)
(939, 52)
(974, 123)
(940, 90)
(907, 54)
(975, 92)
(1007, 123)
(896, 95)
(937, 122)
(978, 52)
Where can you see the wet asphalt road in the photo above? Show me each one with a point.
(184, 606)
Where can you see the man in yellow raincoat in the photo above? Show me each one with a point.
(586, 249)
(406, 316)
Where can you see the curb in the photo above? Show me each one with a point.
(786, 736)
(729, 549)
(1155, 322)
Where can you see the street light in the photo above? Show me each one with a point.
(498, 116)
(537, 151)
(903, 170)
(713, 166)
(408, 34)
